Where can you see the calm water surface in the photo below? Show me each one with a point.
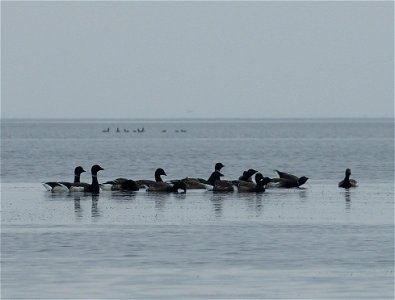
(319, 242)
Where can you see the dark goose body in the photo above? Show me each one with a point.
(120, 184)
(247, 175)
(160, 186)
(145, 183)
(287, 180)
(165, 187)
(251, 187)
(218, 184)
(200, 183)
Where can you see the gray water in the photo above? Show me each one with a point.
(318, 242)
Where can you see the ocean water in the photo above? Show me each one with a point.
(318, 242)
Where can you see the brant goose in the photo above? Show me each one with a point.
(143, 183)
(288, 180)
(159, 186)
(247, 175)
(347, 182)
(120, 184)
(167, 187)
(62, 185)
(200, 183)
(258, 187)
(93, 188)
(218, 184)
(214, 180)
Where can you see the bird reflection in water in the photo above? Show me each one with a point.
(77, 207)
(217, 202)
(347, 200)
(160, 200)
(123, 195)
(302, 194)
(95, 213)
(254, 203)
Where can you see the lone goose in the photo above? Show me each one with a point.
(64, 186)
(251, 187)
(347, 182)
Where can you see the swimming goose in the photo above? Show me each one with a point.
(94, 187)
(63, 185)
(247, 175)
(347, 182)
(167, 187)
(218, 184)
(120, 184)
(145, 183)
(288, 180)
(160, 186)
(257, 187)
(200, 183)
(287, 183)
(194, 183)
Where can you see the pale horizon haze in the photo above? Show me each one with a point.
(197, 59)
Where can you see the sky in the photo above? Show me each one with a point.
(197, 59)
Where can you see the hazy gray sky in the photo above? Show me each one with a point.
(197, 59)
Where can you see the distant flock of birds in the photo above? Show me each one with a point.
(214, 183)
(142, 130)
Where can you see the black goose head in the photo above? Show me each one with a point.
(95, 169)
(158, 173)
(266, 180)
(302, 180)
(78, 170)
(258, 177)
(348, 172)
(218, 166)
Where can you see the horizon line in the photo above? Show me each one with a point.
(192, 119)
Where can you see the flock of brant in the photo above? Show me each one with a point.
(213, 183)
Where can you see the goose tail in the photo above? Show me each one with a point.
(55, 187)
